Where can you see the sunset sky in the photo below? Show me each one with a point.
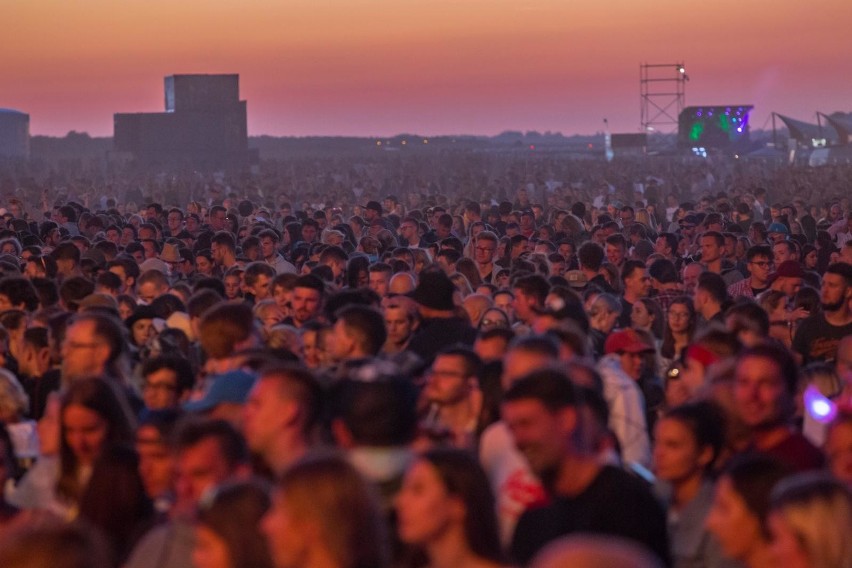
(378, 67)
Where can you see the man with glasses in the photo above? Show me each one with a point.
(166, 382)
(483, 254)
(760, 265)
(455, 403)
(93, 346)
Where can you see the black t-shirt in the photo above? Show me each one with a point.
(615, 503)
(625, 320)
(817, 340)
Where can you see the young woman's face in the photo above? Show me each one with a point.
(678, 318)
(424, 507)
(203, 266)
(85, 432)
(733, 524)
(142, 331)
(640, 317)
(677, 456)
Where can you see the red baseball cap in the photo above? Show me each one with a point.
(626, 341)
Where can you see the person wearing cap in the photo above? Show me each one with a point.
(225, 397)
(787, 278)
(620, 369)
(777, 232)
(141, 325)
(440, 326)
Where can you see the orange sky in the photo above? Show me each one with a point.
(378, 67)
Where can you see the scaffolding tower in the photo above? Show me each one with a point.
(662, 96)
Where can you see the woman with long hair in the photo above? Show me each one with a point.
(811, 522)
(98, 473)
(679, 329)
(227, 529)
(446, 509)
(324, 514)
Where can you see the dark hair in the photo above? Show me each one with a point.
(378, 413)
(175, 363)
(234, 514)
(533, 285)
(19, 290)
(664, 271)
(753, 476)
(550, 387)
(667, 349)
(591, 255)
(193, 430)
(366, 324)
(464, 478)
(714, 285)
(105, 399)
(705, 422)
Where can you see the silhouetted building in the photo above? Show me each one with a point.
(204, 125)
(14, 134)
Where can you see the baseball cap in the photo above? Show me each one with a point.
(374, 205)
(626, 341)
(778, 228)
(232, 386)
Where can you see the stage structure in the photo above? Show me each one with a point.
(662, 96)
(204, 126)
(714, 127)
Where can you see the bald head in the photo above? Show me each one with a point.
(401, 283)
(588, 551)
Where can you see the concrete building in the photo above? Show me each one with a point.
(14, 134)
(204, 126)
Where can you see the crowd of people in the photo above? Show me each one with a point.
(655, 371)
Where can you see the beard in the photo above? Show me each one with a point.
(833, 306)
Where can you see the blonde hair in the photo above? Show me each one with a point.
(818, 509)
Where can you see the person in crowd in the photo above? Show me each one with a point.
(687, 442)
(765, 387)
(227, 528)
(810, 519)
(324, 514)
(544, 412)
(446, 509)
(282, 415)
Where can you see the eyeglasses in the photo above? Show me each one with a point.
(493, 323)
